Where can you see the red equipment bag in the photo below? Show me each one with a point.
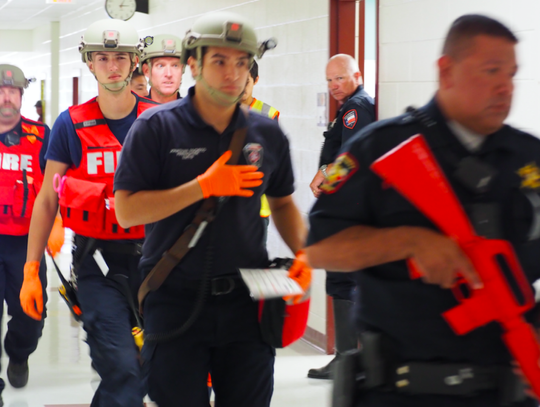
(282, 322)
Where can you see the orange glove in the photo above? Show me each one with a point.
(56, 238)
(228, 180)
(300, 272)
(31, 295)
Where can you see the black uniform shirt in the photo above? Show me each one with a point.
(410, 311)
(355, 114)
(170, 145)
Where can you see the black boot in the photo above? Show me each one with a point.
(345, 337)
(17, 373)
(2, 386)
(322, 372)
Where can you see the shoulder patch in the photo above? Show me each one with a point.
(530, 176)
(340, 171)
(350, 119)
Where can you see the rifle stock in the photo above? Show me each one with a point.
(414, 172)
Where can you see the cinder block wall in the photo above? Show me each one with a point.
(411, 37)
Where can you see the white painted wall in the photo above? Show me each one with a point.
(411, 38)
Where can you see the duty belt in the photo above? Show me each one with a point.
(374, 368)
(216, 286)
(131, 248)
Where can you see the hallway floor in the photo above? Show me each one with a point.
(60, 372)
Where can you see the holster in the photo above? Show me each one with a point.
(375, 368)
(357, 370)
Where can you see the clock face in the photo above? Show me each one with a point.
(120, 9)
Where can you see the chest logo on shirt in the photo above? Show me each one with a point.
(530, 175)
(188, 153)
(339, 172)
(254, 154)
(349, 119)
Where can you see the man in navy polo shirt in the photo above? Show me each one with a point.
(172, 159)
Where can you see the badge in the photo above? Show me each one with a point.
(349, 119)
(340, 171)
(254, 154)
(530, 175)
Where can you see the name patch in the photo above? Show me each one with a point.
(188, 153)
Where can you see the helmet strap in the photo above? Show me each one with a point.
(119, 86)
(219, 97)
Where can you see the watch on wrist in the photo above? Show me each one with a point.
(323, 170)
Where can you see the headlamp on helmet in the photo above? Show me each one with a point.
(224, 29)
(11, 75)
(110, 35)
(163, 45)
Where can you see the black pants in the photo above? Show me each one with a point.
(108, 320)
(224, 341)
(23, 332)
(340, 286)
(486, 399)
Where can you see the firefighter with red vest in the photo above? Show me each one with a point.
(85, 146)
(23, 144)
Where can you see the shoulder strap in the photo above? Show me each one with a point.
(192, 233)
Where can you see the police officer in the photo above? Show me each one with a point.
(183, 147)
(361, 224)
(253, 103)
(356, 111)
(85, 146)
(23, 144)
(160, 63)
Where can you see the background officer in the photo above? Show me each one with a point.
(23, 144)
(85, 145)
(183, 147)
(39, 110)
(360, 224)
(266, 110)
(356, 111)
(139, 84)
(253, 103)
(160, 63)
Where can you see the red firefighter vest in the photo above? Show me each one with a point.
(20, 179)
(87, 199)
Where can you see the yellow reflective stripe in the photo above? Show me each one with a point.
(273, 113)
(264, 109)
(265, 207)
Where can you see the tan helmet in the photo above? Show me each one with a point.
(224, 29)
(163, 45)
(10, 75)
(110, 35)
